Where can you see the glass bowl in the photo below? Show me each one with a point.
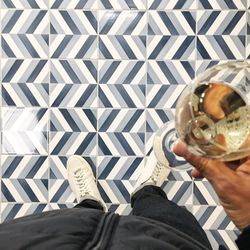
(212, 116)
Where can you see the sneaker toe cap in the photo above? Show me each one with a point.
(76, 162)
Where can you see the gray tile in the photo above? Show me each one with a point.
(75, 22)
(68, 4)
(23, 95)
(25, 131)
(172, 4)
(26, 21)
(10, 211)
(25, 4)
(122, 4)
(172, 22)
(221, 4)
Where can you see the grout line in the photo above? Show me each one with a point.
(1, 120)
(49, 110)
(97, 93)
(146, 84)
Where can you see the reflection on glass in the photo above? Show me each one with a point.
(213, 115)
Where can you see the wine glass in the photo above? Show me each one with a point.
(212, 117)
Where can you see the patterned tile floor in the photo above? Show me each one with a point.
(97, 78)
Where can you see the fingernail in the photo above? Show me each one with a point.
(176, 142)
(180, 148)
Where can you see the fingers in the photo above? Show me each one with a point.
(245, 167)
(196, 173)
(211, 169)
(232, 165)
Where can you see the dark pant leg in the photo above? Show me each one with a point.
(89, 204)
(152, 202)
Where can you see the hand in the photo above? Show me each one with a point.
(230, 181)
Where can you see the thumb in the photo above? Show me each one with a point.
(211, 169)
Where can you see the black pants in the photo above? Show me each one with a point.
(152, 202)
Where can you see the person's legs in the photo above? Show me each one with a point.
(83, 184)
(88, 203)
(152, 202)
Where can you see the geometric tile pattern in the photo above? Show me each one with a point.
(224, 47)
(29, 142)
(97, 78)
(36, 4)
(60, 192)
(116, 191)
(223, 237)
(213, 217)
(171, 4)
(24, 167)
(24, 190)
(73, 46)
(204, 194)
(218, 227)
(122, 47)
(68, 4)
(119, 168)
(231, 22)
(25, 95)
(217, 4)
(202, 65)
(155, 118)
(27, 21)
(25, 46)
(121, 144)
(170, 72)
(119, 24)
(24, 131)
(24, 178)
(178, 47)
(73, 120)
(163, 96)
(125, 120)
(10, 211)
(70, 143)
(25, 71)
(122, 4)
(73, 22)
(171, 23)
(225, 41)
(122, 72)
(179, 192)
(73, 95)
(122, 96)
(73, 71)
(24, 119)
(122, 38)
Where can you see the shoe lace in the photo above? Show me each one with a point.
(157, 170)
(81, 181)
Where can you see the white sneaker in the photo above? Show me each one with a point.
(82, 180)
(154, 173)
